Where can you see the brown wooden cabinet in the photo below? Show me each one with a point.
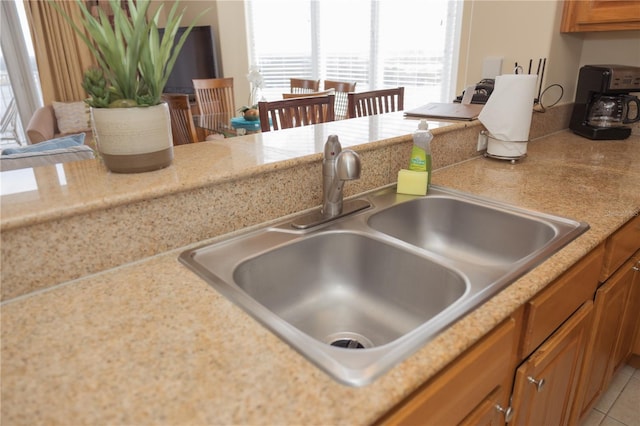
(472, 390)
(490, 412)
(620, 247)
(545, 384)
(555, 304)
(615, 319)
(634, 360)
(600, 15)
(610, 303)
(555, 331)
(630, 275)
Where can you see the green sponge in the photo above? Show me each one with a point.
(412, 182)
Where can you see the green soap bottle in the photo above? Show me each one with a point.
(421, 151)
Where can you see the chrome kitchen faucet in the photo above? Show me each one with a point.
(338, 166)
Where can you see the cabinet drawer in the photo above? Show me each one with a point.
(620, 247)
(549, 309)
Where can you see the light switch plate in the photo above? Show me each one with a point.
(482, 141)
(492, 66)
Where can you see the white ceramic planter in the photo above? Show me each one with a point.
(133, 140)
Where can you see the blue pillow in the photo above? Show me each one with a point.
(58, 143)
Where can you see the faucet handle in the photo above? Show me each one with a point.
(348, 165)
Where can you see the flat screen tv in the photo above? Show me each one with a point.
(197, 59)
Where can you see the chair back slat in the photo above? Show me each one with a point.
(301, 85)
(296, 112)
(183, 129)
(374, 102)
(215, 95)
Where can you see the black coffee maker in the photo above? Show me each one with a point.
(603, 101)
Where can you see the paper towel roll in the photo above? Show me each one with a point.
(507, 114)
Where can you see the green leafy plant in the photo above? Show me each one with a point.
(134, 63)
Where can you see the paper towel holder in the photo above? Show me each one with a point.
(504, 150)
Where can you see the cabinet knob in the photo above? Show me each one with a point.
(508, 412)
(539, 384)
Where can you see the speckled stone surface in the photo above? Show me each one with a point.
(148, 342)
(61, 223)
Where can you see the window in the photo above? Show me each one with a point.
(377, 43)
(19, 83)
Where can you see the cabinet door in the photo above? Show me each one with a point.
(600, 15)
(488, 413)
(610, 302)
(471, 386)
(636, 285)
(545, 383)
(628, 274)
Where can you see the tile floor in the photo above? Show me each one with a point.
(620, 404)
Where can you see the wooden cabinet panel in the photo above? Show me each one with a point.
(558, 362)
(481, 376)
(548, 310)
(486, 414)
(600, 15)
(636, 285)
(621, 245)
(630, 319)
(611, 299)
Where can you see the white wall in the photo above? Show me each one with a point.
(517, 30)
(227, 20)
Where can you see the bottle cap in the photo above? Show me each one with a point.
(423, 125)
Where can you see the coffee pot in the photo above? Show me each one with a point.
(613, 110)
(605, 101)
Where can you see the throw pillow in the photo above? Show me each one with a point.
(58, 143)
(45, 158)
(72, 117)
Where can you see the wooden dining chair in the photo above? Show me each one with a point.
(296, 112)
(182, 127)
(342, 88)
(215, 95)
(373, 102)
(300, 85)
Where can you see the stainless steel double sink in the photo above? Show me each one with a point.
(359, 294)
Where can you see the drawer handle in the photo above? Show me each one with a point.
(508, 412)
(539, 384)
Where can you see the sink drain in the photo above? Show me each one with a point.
(349, 340)
(347, 343)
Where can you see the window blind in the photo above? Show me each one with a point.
(376, 43)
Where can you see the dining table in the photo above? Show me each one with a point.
(224, 124)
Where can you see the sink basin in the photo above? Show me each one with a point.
(344, 288)
(465, 230)
(358, 295)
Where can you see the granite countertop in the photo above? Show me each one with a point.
(36, 195)
(148, 342)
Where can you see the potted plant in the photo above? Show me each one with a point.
(131, 124)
